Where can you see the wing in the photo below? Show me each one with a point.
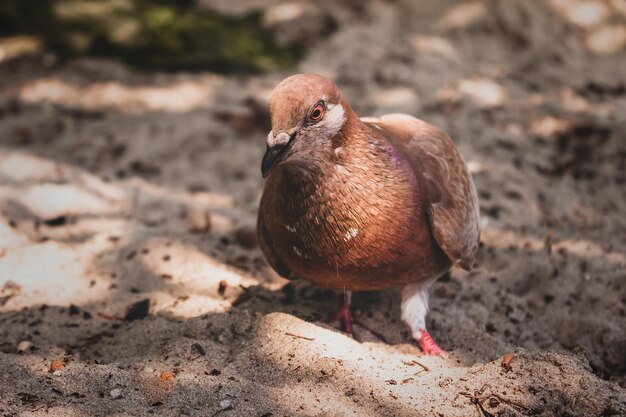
(272, 258)
(453, 210)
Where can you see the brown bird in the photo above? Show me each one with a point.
(363, 204)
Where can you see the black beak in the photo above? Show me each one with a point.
(272, 156)
(275, 153)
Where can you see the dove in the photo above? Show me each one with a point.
(362, 204)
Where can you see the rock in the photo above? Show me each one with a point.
(549, 127)
(585, 14)
(463, 15)
(395, 100)
(434, 45)
(607, 39)
(484, 92)
(198, 220)
(8, 291)
(221, 289)
(23, 346)
(298, 22)
(116, 393)
(138, 310)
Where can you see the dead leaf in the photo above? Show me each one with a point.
(56, 365)
(166, 376)
(506, 361)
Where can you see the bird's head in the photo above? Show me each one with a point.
(307, 112)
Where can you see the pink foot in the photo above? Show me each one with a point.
(428, 345)
(345, 317)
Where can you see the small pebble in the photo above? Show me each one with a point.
(199, 349)
(138, 310)
(57, 373)
(221, 289)
(198, 220)
(23, 346)
(225, 403)
(116, 393)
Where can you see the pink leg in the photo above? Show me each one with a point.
(414, 308)
(428, 345)
(345, 317)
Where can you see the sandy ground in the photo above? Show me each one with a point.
(118, 187)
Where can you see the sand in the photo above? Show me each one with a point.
(119, 186)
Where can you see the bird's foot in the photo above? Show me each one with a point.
(347, 320)
(428, 345)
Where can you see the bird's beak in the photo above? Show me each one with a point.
(277, 145)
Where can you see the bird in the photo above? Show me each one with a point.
(363, 204)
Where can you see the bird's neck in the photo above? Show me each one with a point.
(364, 155)
(358, 162)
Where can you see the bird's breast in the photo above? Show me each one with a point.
(346, 231)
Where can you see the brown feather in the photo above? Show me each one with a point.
(453, 203)
(388, 203)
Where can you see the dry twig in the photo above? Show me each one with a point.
(299, 337)
(481, 398)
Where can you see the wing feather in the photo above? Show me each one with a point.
(453, 210)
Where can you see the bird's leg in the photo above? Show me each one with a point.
(414, 308)
(347, 319)
(343, 315)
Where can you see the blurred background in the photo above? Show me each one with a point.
(131, 136)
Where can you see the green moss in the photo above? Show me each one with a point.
(149, 33)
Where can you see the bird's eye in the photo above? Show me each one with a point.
(317, 113)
